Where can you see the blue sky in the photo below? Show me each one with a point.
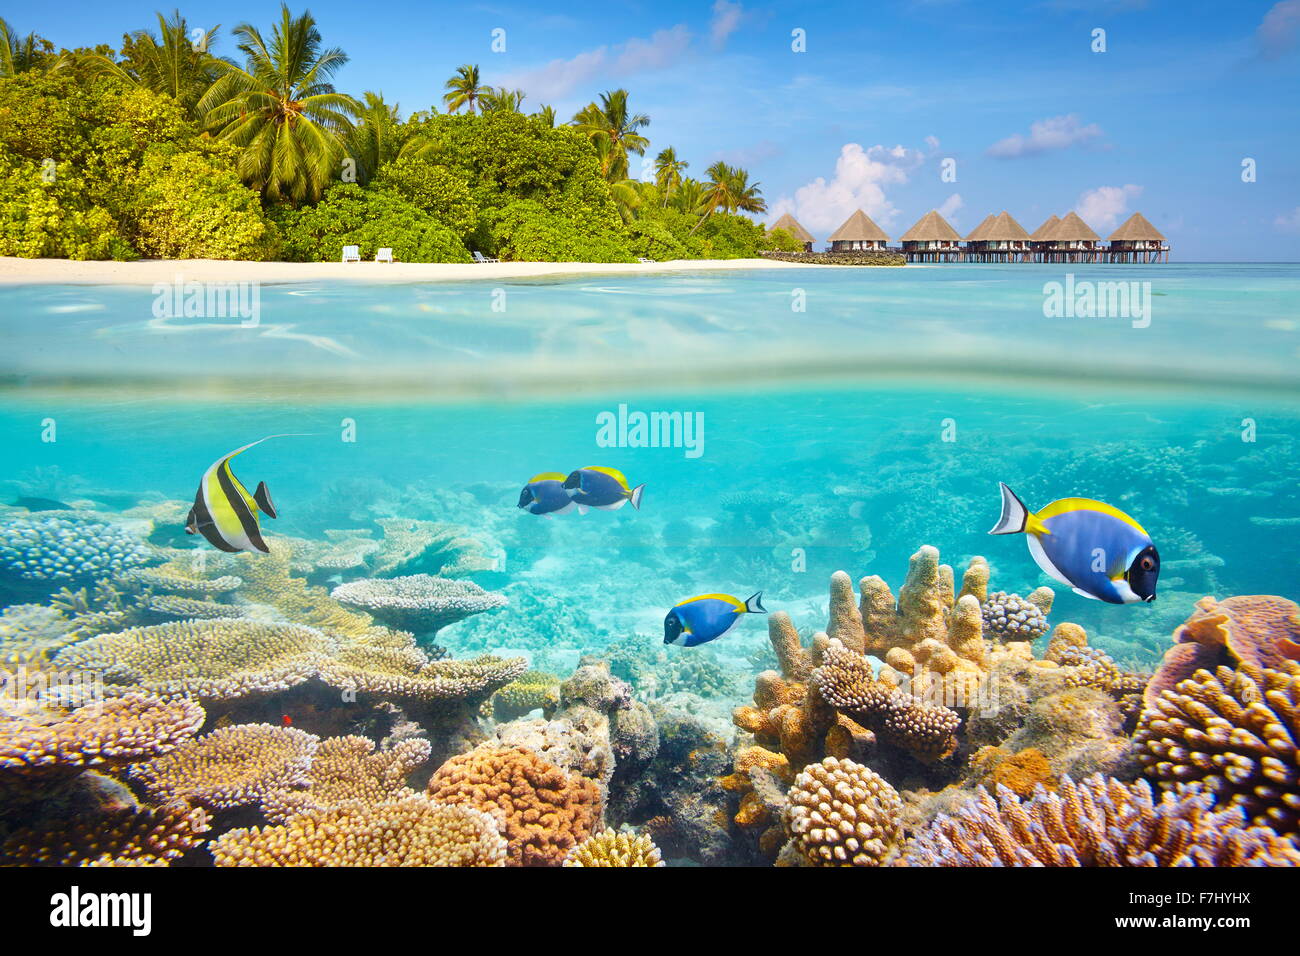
(1036, 122)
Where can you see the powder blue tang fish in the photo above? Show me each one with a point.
(1093, 547)
(707, 617)
(598, 487)
(545, 495)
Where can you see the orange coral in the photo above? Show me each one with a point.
(545, 811)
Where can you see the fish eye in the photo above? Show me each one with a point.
(1148, 563)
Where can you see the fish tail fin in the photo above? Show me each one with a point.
(263, 498)
(754, 603)
(1015, 516)
(634, 496)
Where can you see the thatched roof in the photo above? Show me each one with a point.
(1042, 233)
(930, 228)
(977, 233)
(1136, 228)
(858, 228)
(1005, 229)
(1073, 229)
(790, 225)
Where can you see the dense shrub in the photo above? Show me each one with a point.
(436, 190)
(779, 240)
(371, 219)
(526, 231)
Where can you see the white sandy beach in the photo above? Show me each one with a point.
(15, 271)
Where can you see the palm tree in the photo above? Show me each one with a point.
(281, 109)
(668, 172)
(730, 190)
(688, 197)
(547, 115)
(174, 62)
(463, 89)
(20, 54)
(375, 139)
(613, 130)
(500, 100)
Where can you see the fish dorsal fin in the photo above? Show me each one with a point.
(612, 472)
(1065, 505)
(546, 476)
(263, 498)
(734, 602)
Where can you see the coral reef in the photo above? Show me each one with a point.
(531, 690)
(139, 836)
(1234, 734)
(1009, 617)
(839, 813)
(348, 768)
(615, 849)
(418, 603)
(54, 549)
(545, 811)
(1099, 822)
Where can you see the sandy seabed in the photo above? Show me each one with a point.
(15, 271)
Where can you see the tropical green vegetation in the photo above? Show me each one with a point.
(164, 147)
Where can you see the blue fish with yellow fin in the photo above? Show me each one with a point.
(545, 495)
(1091, 546)
(599, 487)
(699, 620)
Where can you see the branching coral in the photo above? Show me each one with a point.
(839, 813)
(174, 607)
(411, 831)
(348, 768)
(233, 766)
(136, 836)
(419, 603)
(545, 811)
(1099, 822)
(1233, 734)
(531, 690)
(170, 579)
(268, 579)
(212, 660)
(615, 849)
(59, 549)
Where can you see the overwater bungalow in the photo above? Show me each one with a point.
(791, 225)
(1137, 241)
(998, 239)
(1073, 241)
(1038, 239)
(858, 234)
(932, 240)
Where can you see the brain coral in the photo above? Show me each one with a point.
(419, 602)
(1233, 734)
(545, 810)
(842, 814)
(347, 768)
(615, 849)
(57, 549)
(212, 660)
(412, 831)
(231, 767)
(127, 836)
(1100, 822)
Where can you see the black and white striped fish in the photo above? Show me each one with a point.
(225, 513)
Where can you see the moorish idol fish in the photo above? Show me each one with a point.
(699, 620)
(1092, 547)
(604, 488)
(545, 495)
(225, 513)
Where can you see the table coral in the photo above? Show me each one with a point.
(840, 813)
(411, 831)
(531, 690)
(348, 768)
(1233, 734)
(1099, 822)
(233, 766)
(419, 603)
(129, 836)
(212, 660)
(171, 579)
(615, 849)
(545, 811)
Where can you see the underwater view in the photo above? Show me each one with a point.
(686, 568)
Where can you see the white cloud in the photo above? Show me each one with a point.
(1289, 221)
(1103, 207)
(1278, 31)
(1057, 132)
(932, 141)
(948, 208)
(558, 78)
(726, 19)
(858, 183)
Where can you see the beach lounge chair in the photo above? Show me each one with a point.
(384, 255)
(479, 257)
(639, 259)
(351, 253)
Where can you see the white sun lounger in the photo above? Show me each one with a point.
(351, 253)
(639, 259)
(479, 257)
(384, 255)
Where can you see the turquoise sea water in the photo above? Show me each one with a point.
(849, 417)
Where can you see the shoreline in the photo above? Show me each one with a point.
(147, 272)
